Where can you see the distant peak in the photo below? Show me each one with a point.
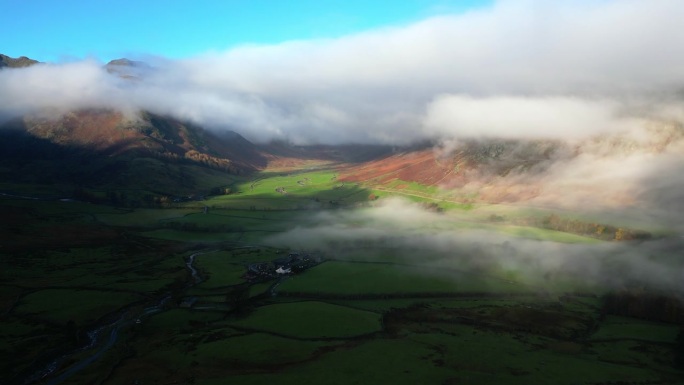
(22, 61)
(127, 63)
(128, 69)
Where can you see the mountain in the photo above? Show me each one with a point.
(109, 150)
(128, 69)
(613, 170)
(106, 150)
(103, 150)
(126, 63)
(23, 61)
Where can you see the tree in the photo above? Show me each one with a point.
(600, 229)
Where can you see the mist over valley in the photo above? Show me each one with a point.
(486, 196)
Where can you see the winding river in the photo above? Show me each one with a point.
(111, 330)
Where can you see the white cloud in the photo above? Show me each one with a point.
(515, 117)
(445, 242)
(554, 68)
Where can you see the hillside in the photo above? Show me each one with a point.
(128, 69)
(134, 222)
(163, 156)
(9, 62)
(105, 149)
(601, 170)
(101, 152)
(109, 150)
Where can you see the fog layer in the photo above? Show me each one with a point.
(403, 232)
(562, 69)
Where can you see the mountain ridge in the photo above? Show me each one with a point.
(20, 62)
(169, 151)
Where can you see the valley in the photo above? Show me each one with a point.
(477, 192)
(426, 286)
(138, 248)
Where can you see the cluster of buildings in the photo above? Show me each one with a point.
(295, 262)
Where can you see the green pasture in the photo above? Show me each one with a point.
(212, 300)
(194, 214)
(311, 319)
(651, 357)
(259, 288)
(46, 191)
(544, 234)
(217, 225)
(253, 237)
(449, 205)
(175, 320)
(81, 306)
(465, 354)
(255, 350)
(218, 221)
(19, 339)
(354, 278)
(219, 270)
(419, 193)
(56, 267)
(376, 361)
(56, 210)
(142, 285)
(135, 282)
(378, 306)
(325, 199)
(13, 331)
(223, 268)
(218, 354)
(477, 222)
(377, 311)
(300, 182)
(262, 203)
(618, 328)
(288, 191)
(144, 217)
(487, 357)
(240, 255)
(192, 236)
(8, 296)
(479, 303)
(411, 186)
(92, 267)
(165, 346)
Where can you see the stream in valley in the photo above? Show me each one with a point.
(103, 337)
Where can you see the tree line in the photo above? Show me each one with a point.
(588, 229)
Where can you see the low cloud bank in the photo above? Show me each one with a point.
(518, 69)
(533, 117)
(631, 173)
(445, 242)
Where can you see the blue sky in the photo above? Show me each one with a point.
(50, 30)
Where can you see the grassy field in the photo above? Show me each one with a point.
(291, 191)
(617, 328)
(311, 319)
(81, 306)
(220, 269)
(432, 296)
(349, 278)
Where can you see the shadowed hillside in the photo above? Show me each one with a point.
(107, 150)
